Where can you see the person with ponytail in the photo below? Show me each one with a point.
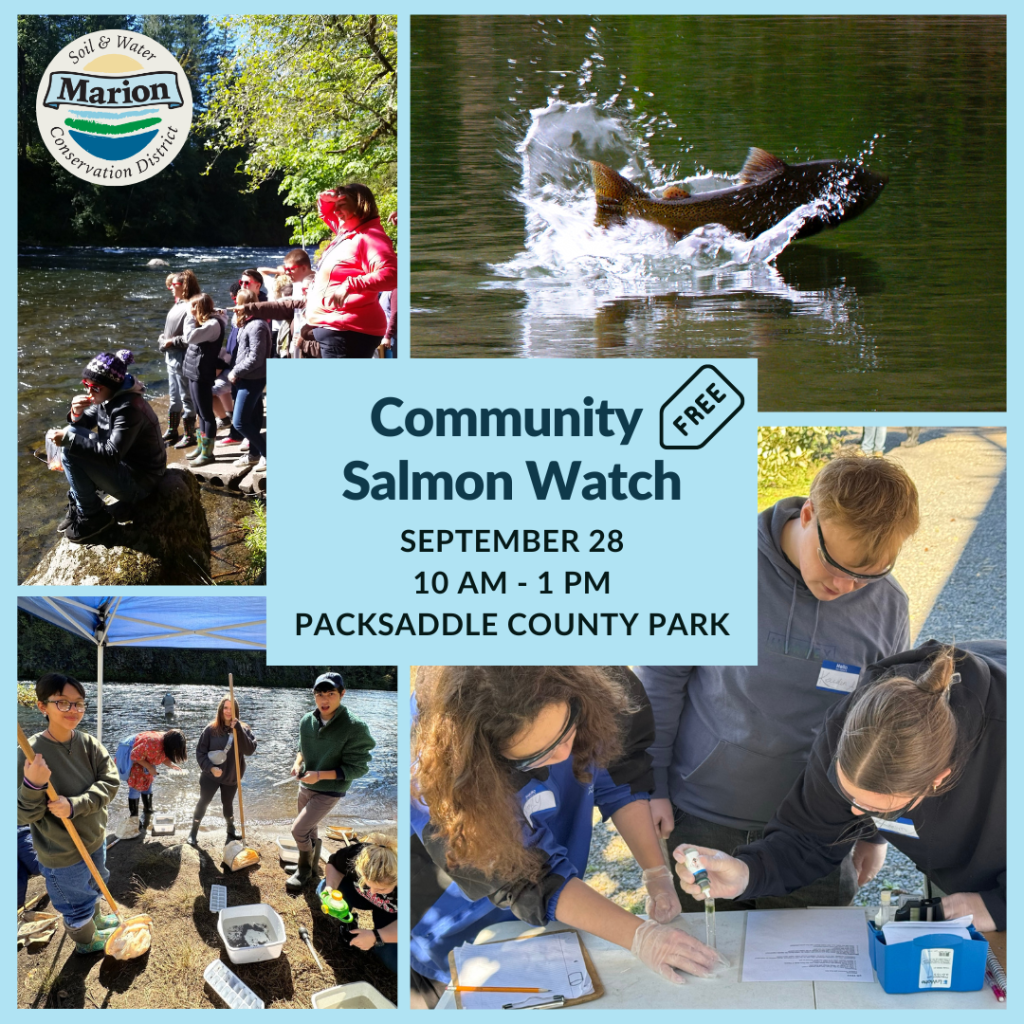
(366, 875)
(508, 766)
(113, 444)
(915, 756)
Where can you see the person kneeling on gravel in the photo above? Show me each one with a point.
(113, 444)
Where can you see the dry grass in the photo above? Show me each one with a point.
(171, 882)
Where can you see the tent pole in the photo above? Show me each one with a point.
(99, 691)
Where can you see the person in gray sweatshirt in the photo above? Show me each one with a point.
(732, 740)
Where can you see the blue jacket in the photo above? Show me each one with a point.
(558, 819)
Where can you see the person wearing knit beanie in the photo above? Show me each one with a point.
(113, 445)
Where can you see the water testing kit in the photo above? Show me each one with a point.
(929, 962)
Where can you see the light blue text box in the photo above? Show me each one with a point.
(690, 560)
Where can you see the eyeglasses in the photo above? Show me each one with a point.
(893, 815)
(831, 564)
(524, 764)
(246, 283)
(66, 705)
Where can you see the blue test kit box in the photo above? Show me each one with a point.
(929, 962)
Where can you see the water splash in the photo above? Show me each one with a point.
(563, 246)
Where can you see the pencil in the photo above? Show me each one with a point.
(484, 988)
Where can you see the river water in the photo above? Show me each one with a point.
(274, 715)
(902, 308)
(75, 302)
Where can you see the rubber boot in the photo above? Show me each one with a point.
(89, 938)
(173, 422)
(189, 423)
(303, 873)
(103, 921)
(316, 858)
(193, 836)
(147, 811)
(133, 808)
(232, 834)
(205, 457)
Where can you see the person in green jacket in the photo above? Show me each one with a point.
(334, 751)
(85, 778)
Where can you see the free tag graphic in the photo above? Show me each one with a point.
(699, 409)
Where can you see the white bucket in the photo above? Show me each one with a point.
(359, 995)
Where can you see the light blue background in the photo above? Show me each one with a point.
(691, 555)
(296, 442)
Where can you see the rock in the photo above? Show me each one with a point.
(222, 473)
(158, 263)
(164, 539)
(255, 482)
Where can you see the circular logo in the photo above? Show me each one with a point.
(114, 108)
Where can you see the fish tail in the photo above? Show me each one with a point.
(612, 191)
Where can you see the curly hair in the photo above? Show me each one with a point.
(377, 861)
(467, 717)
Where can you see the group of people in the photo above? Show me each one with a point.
(216, 360)
(334, 749)
(790, 776)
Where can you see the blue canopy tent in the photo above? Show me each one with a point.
(212, 622)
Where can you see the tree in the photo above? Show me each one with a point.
(313, 98)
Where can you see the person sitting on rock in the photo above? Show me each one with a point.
(113, 445)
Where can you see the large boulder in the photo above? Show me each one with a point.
(164, 539)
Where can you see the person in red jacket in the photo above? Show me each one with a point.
(342, 306)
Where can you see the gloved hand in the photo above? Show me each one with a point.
(664, 949)
(662, 902)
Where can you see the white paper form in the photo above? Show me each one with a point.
(807, 945)
(906, 931)
(554, 962)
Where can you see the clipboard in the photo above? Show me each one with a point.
(532, 934)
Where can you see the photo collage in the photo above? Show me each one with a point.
(618, 273)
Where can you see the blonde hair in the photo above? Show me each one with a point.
(377, 861)
(874, 499)
(202, 307)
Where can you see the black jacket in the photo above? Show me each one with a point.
(961, 834)
(125, 430)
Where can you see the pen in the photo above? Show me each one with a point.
(484, 988)
(999, 993)
(556, 1003)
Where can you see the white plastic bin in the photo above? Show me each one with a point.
(231, 988)
(359, 995)
(230, 916)
(289, 852)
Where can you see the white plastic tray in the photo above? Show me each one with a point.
(231, 988)
(218, 898)
(252, 954)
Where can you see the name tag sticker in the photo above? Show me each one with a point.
(838, 677)
(936, 968)
(903, 826)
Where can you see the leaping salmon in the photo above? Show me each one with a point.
(769, 191)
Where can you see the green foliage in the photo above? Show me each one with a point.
(44, 647)
(313, 99)
(255, 527)
(781, 450)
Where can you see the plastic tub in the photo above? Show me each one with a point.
(163, 824)
(264, 920)
(288, 851)
(359, 995)
(231, 988)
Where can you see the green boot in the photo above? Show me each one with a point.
(103, 921)
(89, 938)
(303, 873)
(205, 456)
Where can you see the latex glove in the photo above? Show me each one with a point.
(663, 816)
(662, 902)
(868, 859)
(728, 876)
(668, 950)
